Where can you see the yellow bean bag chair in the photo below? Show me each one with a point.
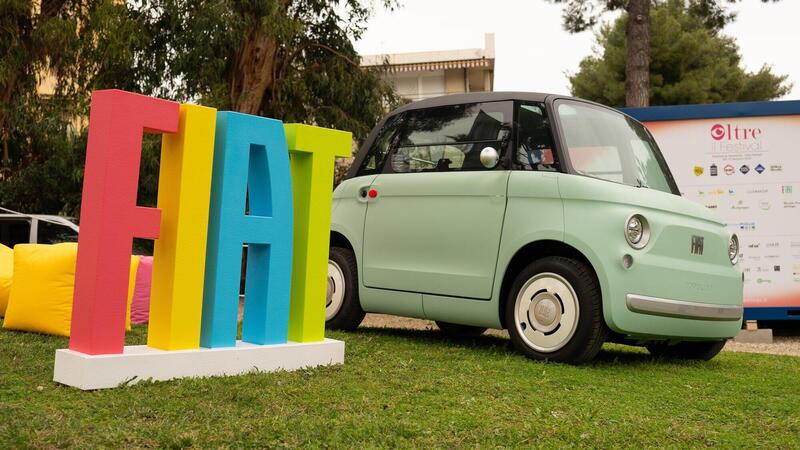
(6, 271)
(41, 294)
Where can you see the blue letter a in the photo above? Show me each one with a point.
(250, 156)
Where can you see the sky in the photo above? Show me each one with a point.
(534, 53)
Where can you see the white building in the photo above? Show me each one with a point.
(429, 74)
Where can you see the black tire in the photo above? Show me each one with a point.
(350, 314)
(590, 330)
(456, 330)
(691, 350)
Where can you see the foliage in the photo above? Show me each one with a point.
(690, 63)
(289, 59)
(581, 15)
(413, 389)
(53, 53)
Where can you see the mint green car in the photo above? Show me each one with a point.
(552, 217)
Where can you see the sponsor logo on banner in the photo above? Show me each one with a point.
(713, 170)
(734, 138)
(759, 190)
(744, 169)
(776, 168)
(717, 132)
(698, 170)
(729, 169)
(732, 132)
(740, 205)
(764, 205)
(759, 168)
(787, 189)
(715, 191)
(747, 226)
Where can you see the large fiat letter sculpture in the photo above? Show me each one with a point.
(226, 180)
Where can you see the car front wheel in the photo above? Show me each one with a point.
(342, 306)
(554, 311)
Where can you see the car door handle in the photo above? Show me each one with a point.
(363, 194)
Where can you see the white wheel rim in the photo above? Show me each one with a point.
(546, 312)
(335, 294)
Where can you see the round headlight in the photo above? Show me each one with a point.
(637, 232)
(733, 249)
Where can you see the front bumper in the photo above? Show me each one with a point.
(685, 310)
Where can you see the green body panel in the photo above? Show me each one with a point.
(385, 301)
(437, 245)
(595, 212)
(479, 313)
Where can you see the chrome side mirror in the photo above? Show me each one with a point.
(489, 157)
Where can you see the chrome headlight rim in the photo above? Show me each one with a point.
(645, 233)
(733, 241)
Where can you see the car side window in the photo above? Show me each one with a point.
(373, 162)
(14, 231)
(534, 142)
(451, 138)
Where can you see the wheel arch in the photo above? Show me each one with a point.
(531, 252)
(340, 240)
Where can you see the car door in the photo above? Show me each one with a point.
(434, 223)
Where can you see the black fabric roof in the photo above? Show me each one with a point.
(473, 97)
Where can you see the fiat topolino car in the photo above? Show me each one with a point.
(552, 217)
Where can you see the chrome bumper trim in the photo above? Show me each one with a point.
(678, 308)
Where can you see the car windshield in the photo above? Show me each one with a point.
(611, 146)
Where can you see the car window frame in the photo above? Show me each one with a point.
(557, 128)
(357, 169)
(556, 143)
(503, 151)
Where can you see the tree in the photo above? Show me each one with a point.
(289, 59)
(580, 15)
(52, 53)
(690, 63)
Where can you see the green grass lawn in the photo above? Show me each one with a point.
(403, 388)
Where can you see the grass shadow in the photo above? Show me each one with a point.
(615, 354)
(436, 336)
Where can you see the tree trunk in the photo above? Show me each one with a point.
(253, 70)
(637, 59)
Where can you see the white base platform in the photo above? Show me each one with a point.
(140, 362)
